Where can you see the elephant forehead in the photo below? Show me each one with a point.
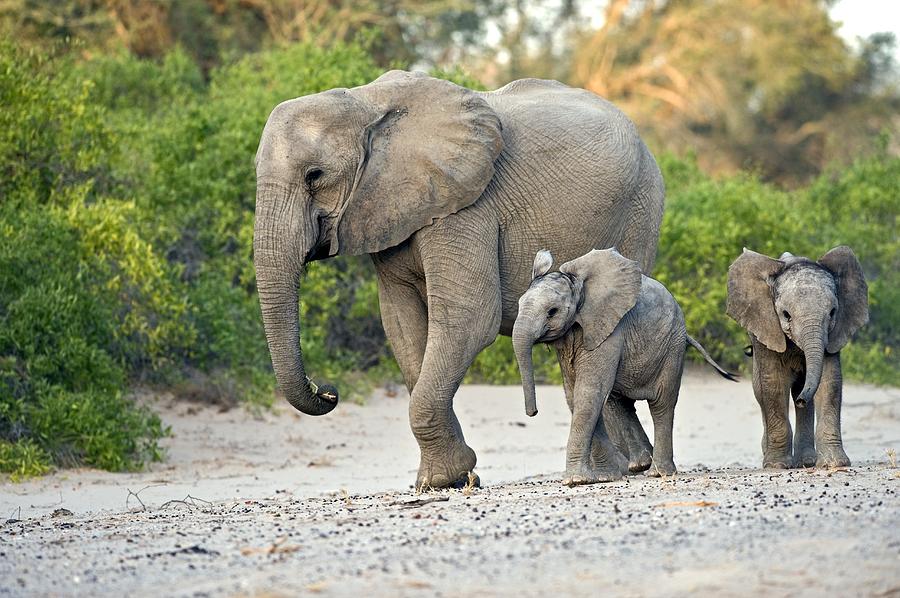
(295, 127)
(553, 287)
(320, 111)
(803, 282)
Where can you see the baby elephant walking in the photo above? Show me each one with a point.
(799, 314)
(629, 345)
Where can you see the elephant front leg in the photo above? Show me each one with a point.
(771, 385)
(446, 459)
(804, 439)
(464, 311)
(829, 443)
(590, 455)
(403, 314)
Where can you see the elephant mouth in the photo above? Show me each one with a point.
(322, 248)
(319, 251)
(326, 392)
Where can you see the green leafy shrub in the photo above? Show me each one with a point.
(23, 459)
(82, 297)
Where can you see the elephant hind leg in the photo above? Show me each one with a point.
(627, 433)
(662, 410)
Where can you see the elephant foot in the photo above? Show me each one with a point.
(779, 461)
(592, 476)
(807, 458)
(663, 469)
(447, 469)
(832, 456)
(640, 463)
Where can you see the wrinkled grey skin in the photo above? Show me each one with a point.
(628, 345)
(799, 314)
(451, 192)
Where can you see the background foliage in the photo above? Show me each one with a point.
(127, 183)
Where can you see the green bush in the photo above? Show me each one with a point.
(82, 296)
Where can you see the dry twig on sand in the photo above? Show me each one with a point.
(188, 501)
(418, 502)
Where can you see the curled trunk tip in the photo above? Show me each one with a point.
(812, 342)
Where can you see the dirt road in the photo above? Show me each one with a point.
(284, 504)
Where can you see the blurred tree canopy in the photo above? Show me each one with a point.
(768, 86)
(212, 31)
(746, 83)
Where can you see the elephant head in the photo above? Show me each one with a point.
(595, 291)
(353, 171)
(816, 305)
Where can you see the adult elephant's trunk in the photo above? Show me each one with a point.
(812, 340)
(281, 241)
(523, 337)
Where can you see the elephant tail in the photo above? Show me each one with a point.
(722, 371)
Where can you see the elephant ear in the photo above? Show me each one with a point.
(852, 295)
(611, 284)
(543, 260)
(428, 152)
(750, 301)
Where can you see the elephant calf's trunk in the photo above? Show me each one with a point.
(523, 341)
(812, 342)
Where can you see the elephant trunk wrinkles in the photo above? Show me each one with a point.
(279, 249)
(812, 342)
(523, 337)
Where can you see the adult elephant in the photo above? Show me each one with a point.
(452, 192)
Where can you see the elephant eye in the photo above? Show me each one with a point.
(552, 312)
(313, 175)
(786, 315)
(831, 313)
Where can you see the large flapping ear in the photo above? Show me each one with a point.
(543, 260)
(750, 301)
(611, 284)
(429, 152)
(852, 295)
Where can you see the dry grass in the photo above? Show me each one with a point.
(470, 486)
(276, 547)
(323, 461)
(417, 584)
(317, 587)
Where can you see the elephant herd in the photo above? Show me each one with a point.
(463, 199)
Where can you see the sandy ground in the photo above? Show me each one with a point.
(285, 504)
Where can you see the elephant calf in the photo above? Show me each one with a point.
(799, 314)
(629, 345)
